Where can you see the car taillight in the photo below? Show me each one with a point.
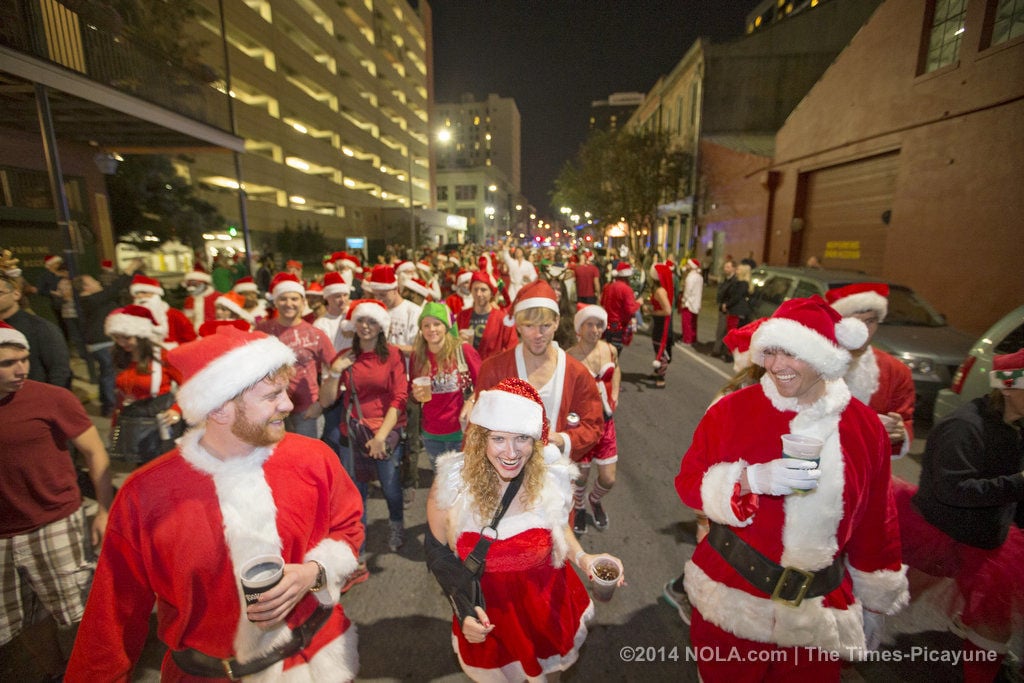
(961, 374)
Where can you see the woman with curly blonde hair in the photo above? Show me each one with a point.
(527, 617)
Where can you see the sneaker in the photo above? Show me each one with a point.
(678, 600)
(579, 525)
(408, 496)
(396, 539)
(358, 576)
(600, 516)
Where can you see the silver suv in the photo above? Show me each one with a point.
(912, 332)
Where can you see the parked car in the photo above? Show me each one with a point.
(913, 331)
(971, 378)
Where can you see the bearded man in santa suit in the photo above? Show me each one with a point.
(236, 487)
(875, 377)
(565, 385)
(171, 324)
(803, 556)
(199, 304)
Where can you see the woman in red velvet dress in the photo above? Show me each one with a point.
(536, 607)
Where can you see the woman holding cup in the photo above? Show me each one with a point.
(443, 371)
(530, 613)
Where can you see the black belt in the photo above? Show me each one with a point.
(195, 663)
(787, 585)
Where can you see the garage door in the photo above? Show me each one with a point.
(847, 211)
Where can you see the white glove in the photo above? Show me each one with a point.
(781, 477)
(874, 625)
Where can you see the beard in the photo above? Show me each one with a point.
(258, 435)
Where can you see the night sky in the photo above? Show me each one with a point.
(555, 57)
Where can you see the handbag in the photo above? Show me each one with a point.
(359, 433)
(136, 435)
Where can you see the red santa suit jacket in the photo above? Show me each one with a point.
(620, 302)
(886, 385)
(200, 309)
(179, 530)
(497, 336)
(851, 514)
(574, 392)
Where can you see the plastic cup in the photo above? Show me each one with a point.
(606, 572)
(421, 385)
(259, 575)
(802, 447)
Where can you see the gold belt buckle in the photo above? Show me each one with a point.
(805, 583)
(226, 663)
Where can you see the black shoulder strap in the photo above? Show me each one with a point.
(476, 558)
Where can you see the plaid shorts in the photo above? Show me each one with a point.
(50, 564)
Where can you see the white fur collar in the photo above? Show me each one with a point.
(862, 377)
(250, 525)
(809, 536)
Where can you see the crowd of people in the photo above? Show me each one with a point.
(261, 411)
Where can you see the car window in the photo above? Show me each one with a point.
(805, 288)
(774, 290)
(907, 308)
(1012, 342)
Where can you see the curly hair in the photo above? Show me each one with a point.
(483, 480)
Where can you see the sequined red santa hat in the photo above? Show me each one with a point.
(738, 342)
(141, 283)
(1008, 371)
(537, 294)
(366, 308)
(382, 278)
(586, 311)
(211, 326)
(414, 284)
(234, 302)
(132, 321)
(221, 366)
(199, 275)
(334, 284)
(812, 331)
(860, 297)
(245, 284)
(9, 335)
(623, 270)
(512, 406)
(283, 283)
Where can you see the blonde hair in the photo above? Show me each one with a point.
(743, 275)
(445, 357)
(536, 316)
(483, 480)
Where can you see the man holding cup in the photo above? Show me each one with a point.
(237, 487)
(794, 582)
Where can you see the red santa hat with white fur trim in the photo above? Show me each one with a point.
(1008, 371)
(284, 283)
(199, 275)
(512, 406)
(860, 297)
(623, 270)
(537, 294)
(141, 283)
(587, 311)
(382, 278)
(405, 267)
(464, 277)
(334, 284)
(812, 331)
(132, 321)
(738, 341)
(9, 335)
(245, 284)
(414, 284)
(53, 258)
(221, 366)
(366, 308)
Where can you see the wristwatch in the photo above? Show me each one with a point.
(321, 578)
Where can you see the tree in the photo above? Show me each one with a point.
(148, 196)
(624, 175)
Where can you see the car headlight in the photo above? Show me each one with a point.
(919, 366)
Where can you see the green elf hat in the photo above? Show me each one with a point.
(434, 309)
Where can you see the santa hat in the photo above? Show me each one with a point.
(1008, 371)
(425, 266)
(405, 267)
(315, 288)
(382, 278)
(234, 302)
(537, 294)
(693, 264)
(141, 283)
(366, 308)
(221, 366)
(587, 311)
(860, 297)
(343, 259)
(738, 341)
(812, 331)
(132, 321)
(199, 275)
(52, 258)
(245, 284)
(623, 270)
(512, 406)
(9, 335)
(486, 278)
(106, 263)
(334, 284)
(464, 277)
(211, 326)
(414, 284)
(293, 264)
(435, 309)
(284, 283)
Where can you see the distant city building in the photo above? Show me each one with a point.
(478, 156)
(612, 113)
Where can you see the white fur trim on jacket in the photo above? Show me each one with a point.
(339, 562)
(860, 302)
(767, 621)
(882, 591)
(716, 492)
(230, 374)
(804, 343)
